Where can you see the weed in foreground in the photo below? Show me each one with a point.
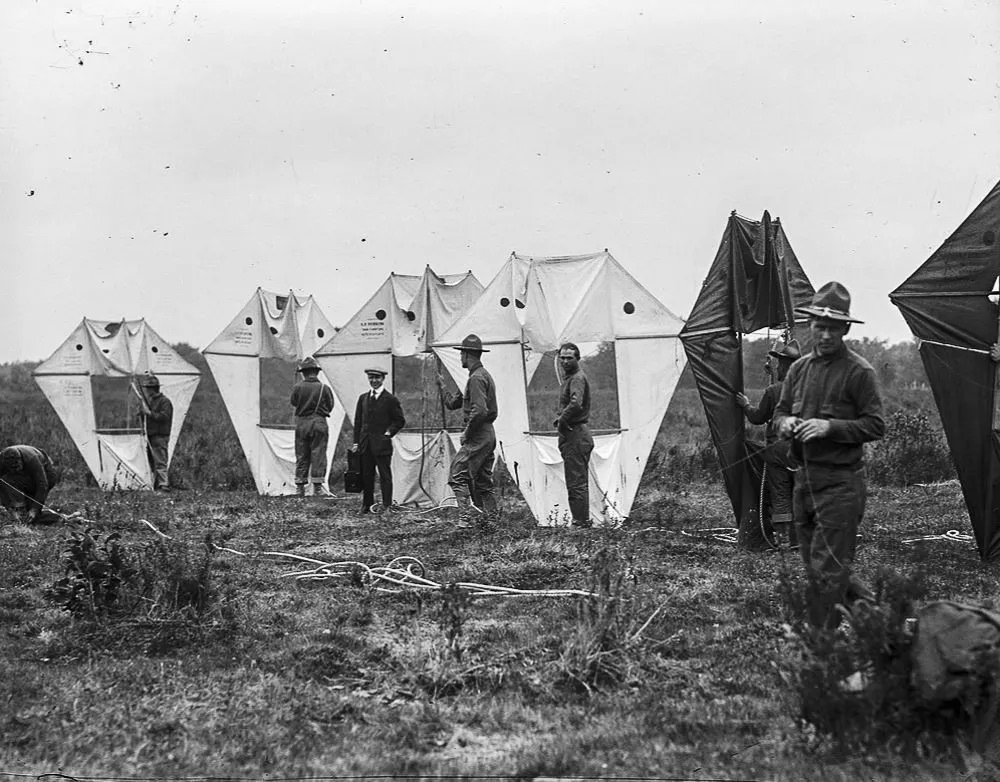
(855, 684)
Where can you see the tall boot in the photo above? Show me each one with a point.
(300, 489)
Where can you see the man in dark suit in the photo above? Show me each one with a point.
(377, 418)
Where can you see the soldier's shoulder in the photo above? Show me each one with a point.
(859, 361)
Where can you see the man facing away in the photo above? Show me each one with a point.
(575, 442)
(471, 476)
(777, 452)
(157, 413)
(27, 475)
(829, 407)
(377, 418)
(313, 403)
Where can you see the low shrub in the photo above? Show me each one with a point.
(913, 450)
(96, 571)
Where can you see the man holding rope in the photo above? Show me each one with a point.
(471, 476)
(157, 413)
(830, 405)
(27, 475)
(777, 456)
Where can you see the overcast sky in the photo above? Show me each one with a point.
(164, 159)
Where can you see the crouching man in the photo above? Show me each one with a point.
(27, 475)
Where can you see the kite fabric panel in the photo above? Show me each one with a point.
(949, 303)
(754, 282)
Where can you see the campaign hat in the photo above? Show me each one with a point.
(832, 302)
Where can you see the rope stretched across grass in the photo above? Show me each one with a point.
(400, 574)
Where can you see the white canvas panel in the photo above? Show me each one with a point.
(314, 328)
(421, 464)
(280, 335)
(366, 332)
(452, 361)
(556, 290)
(276, 462)
(648, 316)
(110, 348)
(648, 373)
(124, 463)
(242, 336)
(238, 379)
(495, 314)
(606, 486)
(73, 400)
(447, 299)
(180, 390)
(74, 355)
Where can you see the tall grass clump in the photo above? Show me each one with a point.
(912, 451)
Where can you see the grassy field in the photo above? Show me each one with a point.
(215, 664)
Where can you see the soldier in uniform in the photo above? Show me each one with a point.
(471, 476)
(830, 405)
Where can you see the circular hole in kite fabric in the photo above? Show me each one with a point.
(629, 308)
(320, 333)
(79, 347)
(155, 349)
(519, 304)
(410, 316)
(249, 321)
(380, 314)
(504, 302)
(274, 330)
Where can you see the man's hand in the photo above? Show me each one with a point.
(354, 448)
(995, 351)
(786, 427)
(742, 400)
(812, 429)
(555, 424)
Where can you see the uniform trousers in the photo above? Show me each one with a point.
(156, 450)
(575, 446)
(472, 470)
(311, 437)
(829, 503)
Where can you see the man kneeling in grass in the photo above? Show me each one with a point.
(27, 475)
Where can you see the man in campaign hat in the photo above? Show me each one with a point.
(777, 458)
(829, 406)
(472, 468)
(378, 416)
(313, 403)
(157, 413)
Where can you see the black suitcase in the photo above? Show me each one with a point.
(352, 475)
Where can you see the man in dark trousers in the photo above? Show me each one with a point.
(157, 413)
(27, 475)
(377, 418)
(471, 476)
(777, 452)
(313, 402)
(829, 407)
(575, 442)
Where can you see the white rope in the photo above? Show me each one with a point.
(401, 574)
(953, 535)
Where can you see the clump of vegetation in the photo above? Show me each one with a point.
(95, 573)
(912, 451)
(607, 632)
(855, 685)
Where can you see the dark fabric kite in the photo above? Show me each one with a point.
(947, 305)
(754, 282)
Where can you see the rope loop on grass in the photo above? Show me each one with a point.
(403, 573)
(953, 535)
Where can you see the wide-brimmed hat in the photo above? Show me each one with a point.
(309, 364)
(832, 302)
(787, 351)
(151, 381)
(376, 371)
(473, 343)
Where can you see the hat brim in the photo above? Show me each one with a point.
(381, 372)
(784, 356)
(826, 312)
(472, 350)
